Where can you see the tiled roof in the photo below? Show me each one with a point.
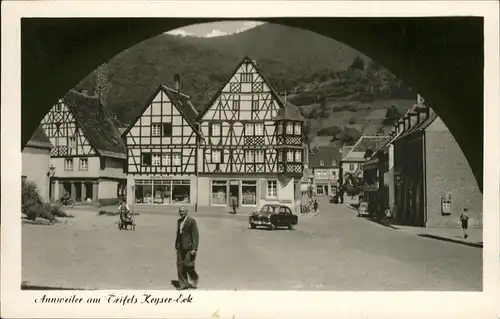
(366, 142)
(180, 100)
(101, 132)
(183, 103)
(422, 125)
(290, 112)
(325, 154)
(39, 139)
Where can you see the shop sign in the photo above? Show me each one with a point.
(446, 204)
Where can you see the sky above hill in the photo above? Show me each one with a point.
(215, 29)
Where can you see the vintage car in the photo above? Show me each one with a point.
(363, 209)
(273, 216)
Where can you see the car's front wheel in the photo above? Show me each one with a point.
(272, 226)
(290, 226)
(253, 226)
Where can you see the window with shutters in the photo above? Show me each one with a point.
(156, 159)
(156, 129)
(146, 159)
(272, 188)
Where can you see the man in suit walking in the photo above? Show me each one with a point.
(186, 245)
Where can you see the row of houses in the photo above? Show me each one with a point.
(421, 174)
(247, 144)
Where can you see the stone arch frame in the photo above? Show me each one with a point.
(442, 57)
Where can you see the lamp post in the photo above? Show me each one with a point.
(50, 173)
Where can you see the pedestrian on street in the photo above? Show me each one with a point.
(464, 218)
(316, 206)
(186, 245)
(234, 204)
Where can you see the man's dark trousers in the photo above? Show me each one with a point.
(185, 267)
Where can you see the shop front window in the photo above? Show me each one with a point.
(162, 191)
(219, 192)
(181, 191)
(249, 193)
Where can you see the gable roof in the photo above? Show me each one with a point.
(89, 114)
(40, 139)
(366, 142)
(327, 154)
(181, 101)
(245, 59)
(289, 112)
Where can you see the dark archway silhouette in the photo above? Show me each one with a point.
(440, 57)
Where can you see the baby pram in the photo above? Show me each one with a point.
(126, 219)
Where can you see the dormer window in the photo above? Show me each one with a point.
(334, 163)
(322, 163)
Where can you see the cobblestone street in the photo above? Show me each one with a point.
(335, 250)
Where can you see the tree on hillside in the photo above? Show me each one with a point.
(349, 136)
(391, 115)
(329, 131)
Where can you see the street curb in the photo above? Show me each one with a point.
(457, 241)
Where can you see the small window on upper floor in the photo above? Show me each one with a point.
(215, 129)
(298, 129)
(322, 163)
(246, 78)
(156, 129)
(57, 108)
(289, 128)
(167, 129)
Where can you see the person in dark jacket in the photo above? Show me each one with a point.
(186, 245)
(234, 204)
(464, 219)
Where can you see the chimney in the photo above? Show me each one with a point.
(177, 82)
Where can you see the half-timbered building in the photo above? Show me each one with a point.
(252, 149)
(161, 145)
(88, 154)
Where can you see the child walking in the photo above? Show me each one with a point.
(465, 222)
